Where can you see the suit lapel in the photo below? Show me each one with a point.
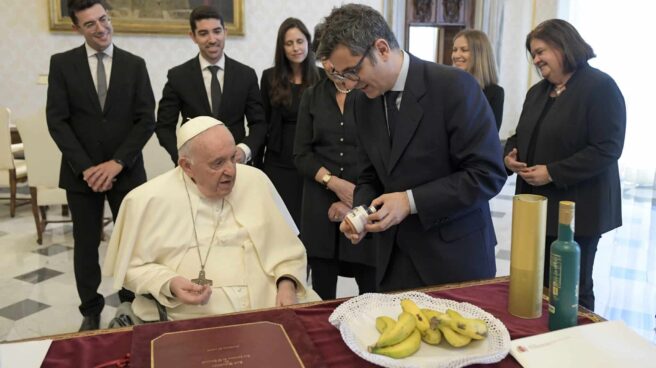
(118, 66)
(198, 85)
(541, 101)
(228, 80)
(410, 113)
(82, 65)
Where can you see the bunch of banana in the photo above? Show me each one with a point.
(398, 339)
(458, 331)
(402, 338)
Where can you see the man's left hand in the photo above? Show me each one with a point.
(535, 175)
(100, 177)
(240, 156)
(393, 208)
(286, 293)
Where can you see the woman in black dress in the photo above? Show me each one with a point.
(472, 53)
(294, 70)
(325, 154)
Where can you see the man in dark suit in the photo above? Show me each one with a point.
(100, 113)
(430, 157)
(212, 84)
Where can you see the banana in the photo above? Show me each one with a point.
(401, 330)
(431, 336)
(453, 338)
(471, 327)
(422, 322)
(402, 349)
(383, 323)
(430, 313)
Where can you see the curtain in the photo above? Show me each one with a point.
(617, 32)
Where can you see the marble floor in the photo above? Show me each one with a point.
(38, 297)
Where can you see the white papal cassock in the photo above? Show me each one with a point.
(255, 244)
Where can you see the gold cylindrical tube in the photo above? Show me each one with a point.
(529, 223)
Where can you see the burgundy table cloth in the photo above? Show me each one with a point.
(110, 348)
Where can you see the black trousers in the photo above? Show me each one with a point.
(87, 214)
(401, 273)
(588, 245)
(325, 272)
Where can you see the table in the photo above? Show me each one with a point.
(111, 348)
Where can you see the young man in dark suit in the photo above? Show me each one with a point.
(212, 84)
(100, 113)
(430, 155)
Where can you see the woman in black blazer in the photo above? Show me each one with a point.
(325, 153)
(294, 70)
(472, 53)
(568, 140)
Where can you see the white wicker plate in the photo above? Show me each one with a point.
(356, 321)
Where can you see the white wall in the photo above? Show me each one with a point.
(516, 71)
(26, 44)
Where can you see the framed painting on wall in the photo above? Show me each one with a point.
(154, 16)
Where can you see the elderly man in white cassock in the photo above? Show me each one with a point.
(204, 239)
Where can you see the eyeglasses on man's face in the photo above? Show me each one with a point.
(92, 25)
(351, 73)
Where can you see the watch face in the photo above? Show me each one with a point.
(326, 178)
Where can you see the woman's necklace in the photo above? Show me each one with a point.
(559, 89)
(344, 91)
(201, 280)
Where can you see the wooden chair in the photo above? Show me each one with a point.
(43, 159)
(12, 170)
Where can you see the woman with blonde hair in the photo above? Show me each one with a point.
(472, 53)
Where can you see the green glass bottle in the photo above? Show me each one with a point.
(564, 265)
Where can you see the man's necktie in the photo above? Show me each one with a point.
(392, 111)
(215, 90)
(101, 79)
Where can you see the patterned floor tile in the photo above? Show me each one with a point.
(39, 275)
(53, 249)
(113, 300)
(503, 254)
(22, 309)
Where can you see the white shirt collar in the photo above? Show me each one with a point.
(204, 63)
(109, 51)
(399, 85)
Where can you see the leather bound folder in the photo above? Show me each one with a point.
(249, 345)
(291, 333)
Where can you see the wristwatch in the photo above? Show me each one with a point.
(325, 179)
(119, 162)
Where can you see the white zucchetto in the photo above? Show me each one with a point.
(194, 127)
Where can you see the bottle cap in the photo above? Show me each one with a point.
(566, 212)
